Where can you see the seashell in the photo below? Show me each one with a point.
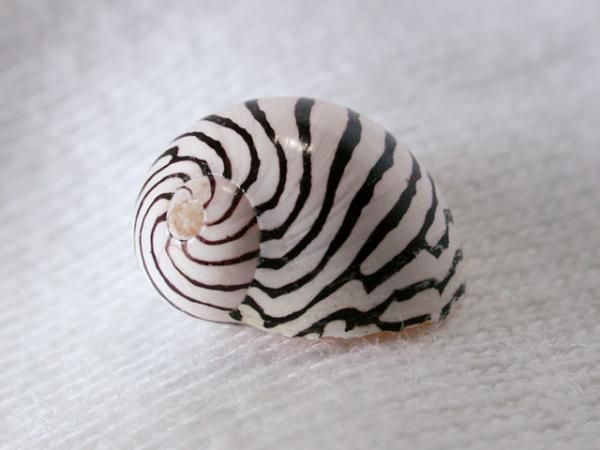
(299, 217)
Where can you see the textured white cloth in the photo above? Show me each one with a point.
(499, 100)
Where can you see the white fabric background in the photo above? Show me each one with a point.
(500, 100)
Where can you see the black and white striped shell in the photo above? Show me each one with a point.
(299, 217)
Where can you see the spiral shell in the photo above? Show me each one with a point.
(298, 217)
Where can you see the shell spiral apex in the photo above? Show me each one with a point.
(298, 217)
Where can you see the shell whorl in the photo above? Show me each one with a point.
(299, 217)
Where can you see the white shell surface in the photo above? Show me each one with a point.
(320, 223)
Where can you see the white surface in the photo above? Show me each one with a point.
(500, 103)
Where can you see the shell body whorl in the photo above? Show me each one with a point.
(298, 217)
